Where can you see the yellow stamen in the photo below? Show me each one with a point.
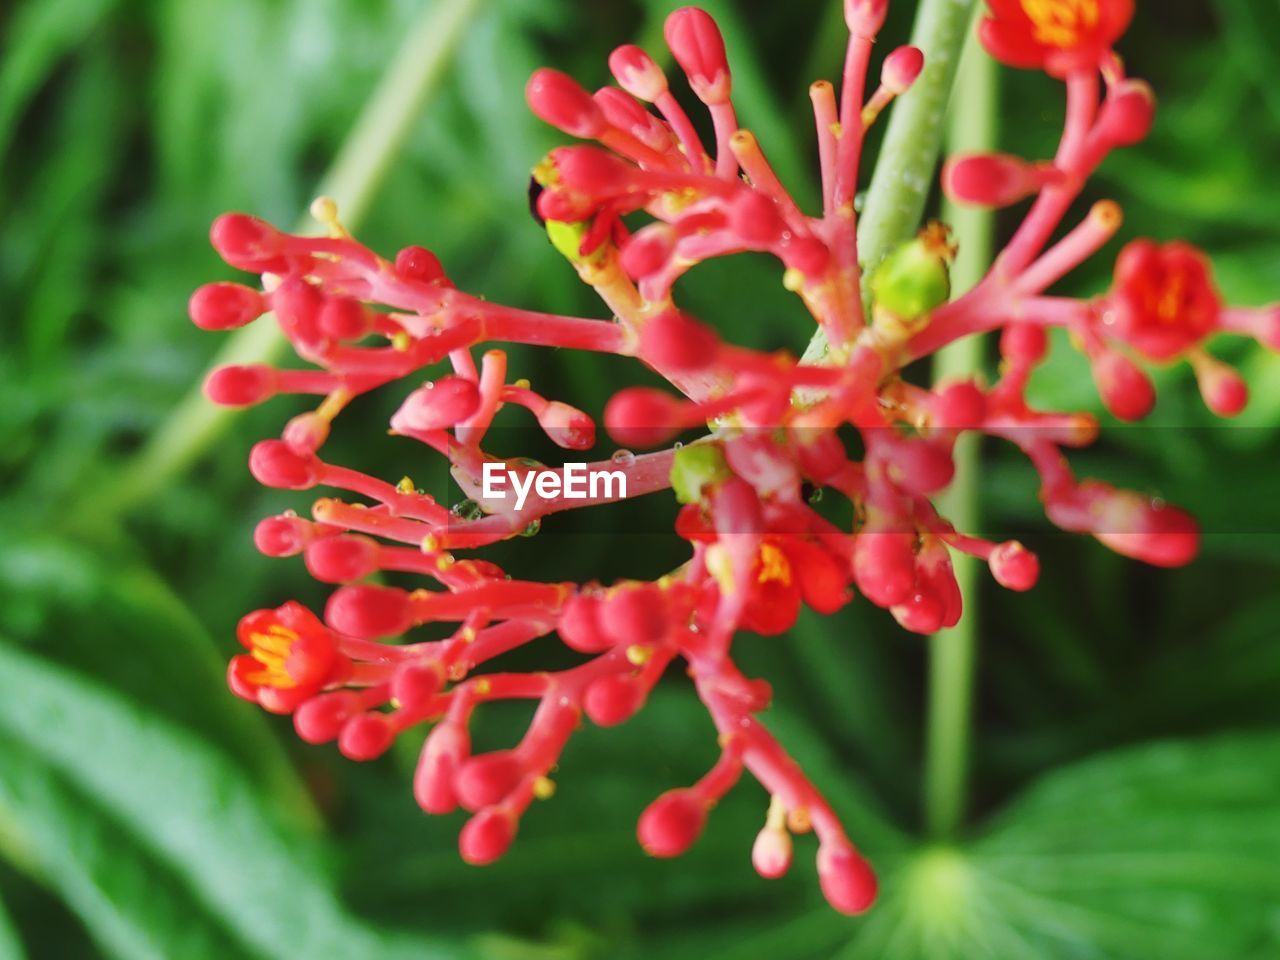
(271, 648)
(325, 210)
(798, 820)
(1061, 23)
(774, 565)
(638, 655)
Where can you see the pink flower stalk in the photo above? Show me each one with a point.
(758, 550)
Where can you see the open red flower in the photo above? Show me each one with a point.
(292, 655)
(1058, 36)
(1164, 300)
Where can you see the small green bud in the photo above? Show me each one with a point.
(567, 238)
(915, 279)
(696, 467)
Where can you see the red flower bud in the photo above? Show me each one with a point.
(487, 779)
(637, 74)
(1223, 389)
(225, 306)
(1023, 343)
(626, 114)
(567, 426)
(642, 417)
(1150, 531)
(306, 433)
(865, 17)
(614, 699)
(420, 264)
(236, 386)
(1127, 392)
(756, 218)
(901, 69)
(698, 47)
(284, 536)
(321, 718)
(847, 880)
(366, 736)
(297, 306)
(442, 753)
(1165, 536)
(366, 611)
(438, 405)
(248, 243)
(342, 559)
(274, 463)
(675, 341)
(649, 250)
(809, 255)
(559, 100)
(1128, 113)
(579, 625)
(959, 406)
(923, 612)
(635, 615)
(592, 172)
(414, 684)
(1014, 566)
(922, 466)
(884, 566)
(994, 179)
(670, 825)
(771, 853)
(486, 836)
(344, 318)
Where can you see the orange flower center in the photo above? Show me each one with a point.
(1061, 23)
(271, 649)
(774, 566)
(1169, 300)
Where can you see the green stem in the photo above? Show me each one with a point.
(952, 653)
(905, 167)
(352, 180)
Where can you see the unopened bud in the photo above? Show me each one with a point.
(698, 47)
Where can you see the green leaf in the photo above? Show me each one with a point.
(1167, 850)
(40, 33)
(186, 805)
(133, 907)
(71, 599)
(10, 945)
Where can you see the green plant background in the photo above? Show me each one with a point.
(1126, 786)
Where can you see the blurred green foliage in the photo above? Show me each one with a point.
(1128, 752)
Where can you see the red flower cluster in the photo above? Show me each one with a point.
(758, 549)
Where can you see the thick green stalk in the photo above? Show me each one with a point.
(952, 653)
(352, 181)
(905, 168)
